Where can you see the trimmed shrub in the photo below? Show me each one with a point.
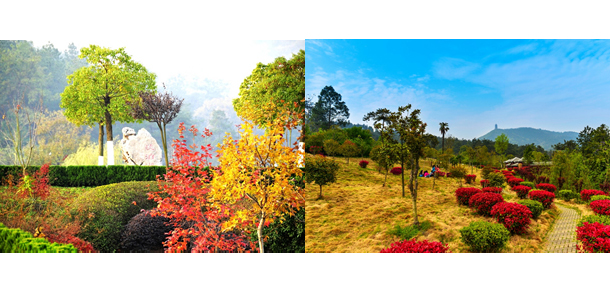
(513, 181)
(528, 184)
(515, 217)
(482, 236)
(495, 179)
(601, 219)
(600, 207)
(522, 191)
(485, 171)
(15, 240)
(470, 178)
(413, 246)
(492, 190)
(463, 195)
(484, 183)
(363, 163)
(597, 198)
(586, 195)
(483, 202)
(105, 211)
(396, 170)
(547, 187)
(567, 195)
(144, 233)
(534, 206)
(594, 237)
(544, 197)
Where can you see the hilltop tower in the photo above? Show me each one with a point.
(496, 127)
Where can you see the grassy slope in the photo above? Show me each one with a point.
(357, 212)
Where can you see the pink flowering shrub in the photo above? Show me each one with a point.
(600, 207)
(413, 246)
(515, 217)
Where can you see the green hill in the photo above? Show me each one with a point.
(524, 136)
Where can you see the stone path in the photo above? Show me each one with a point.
(562, 238)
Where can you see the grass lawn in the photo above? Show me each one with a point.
(357, 213)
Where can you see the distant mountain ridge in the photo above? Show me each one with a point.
(525, 135)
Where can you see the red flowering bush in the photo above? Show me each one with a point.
(396, 170)
(483, 202)
(363, 163)
(586, 195)
(463, 195)
(484, 183)
(547, 187)
(470, 178)
(515, 217)
(522, 191)
(594, 237)
(601, 207)
(315, 150)
(413, 246)
(496, 190)
(544, 197)
(514, 181)
(440, 173)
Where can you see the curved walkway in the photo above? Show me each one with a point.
(562, 238)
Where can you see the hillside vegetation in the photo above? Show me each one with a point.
(524, 136)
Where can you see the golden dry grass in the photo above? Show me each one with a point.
(356, 213)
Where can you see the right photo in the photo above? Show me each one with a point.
(457, 146)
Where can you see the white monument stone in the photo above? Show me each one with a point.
(141, 148)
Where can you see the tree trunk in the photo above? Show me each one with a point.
(100, 140)
(442, 144)
(109, 148)
(164, 142)
(259, 232)
(402, 165)
(413, 183)
(320, 196)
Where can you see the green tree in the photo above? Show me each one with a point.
(444, 128)
(385, 158)
(331, 147)
(99, 92)
(471, 153)
(528, 156)
(501, 144)
(329, 110)
(349, 149)
(412, 138)
(320, 170)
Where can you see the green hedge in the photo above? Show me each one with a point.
(15, 240)
(88, 176)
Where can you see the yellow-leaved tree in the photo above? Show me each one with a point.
(258, 173)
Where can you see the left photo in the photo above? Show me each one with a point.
(135, 147)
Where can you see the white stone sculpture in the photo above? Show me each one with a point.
(141, 148)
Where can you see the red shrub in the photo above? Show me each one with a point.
(515, 217)
(470, 178)
(541, 179)
(82, 245)
(484, 183)
(547, 187)
(594, 237)
(396, 170)
(440, 173)
(363, 163)
(522, 191)
(544, 197)
(38, 184)
(496, 190)
(316, 150)
(463, 195)
(483, 202)
(412, 246)
(513, 181)
(586, 195)
(601, 207)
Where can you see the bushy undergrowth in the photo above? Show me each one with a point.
(483, 202)
(482, 236)
(547, 187)
(410, 231)
(522, 191)
(515, 217)
(104, 211)
(600, 207)
(534, 206)
(567, 195)
(601, 219)
(528, 184)
(586, 195)
(544, 197)
(413, 246)
(495, 179)
(463, 195)
(597, 198)
(286, 235)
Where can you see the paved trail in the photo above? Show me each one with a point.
(562, 239)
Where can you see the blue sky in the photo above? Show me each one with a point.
(557, 85)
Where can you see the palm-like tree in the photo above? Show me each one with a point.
(444, 128)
